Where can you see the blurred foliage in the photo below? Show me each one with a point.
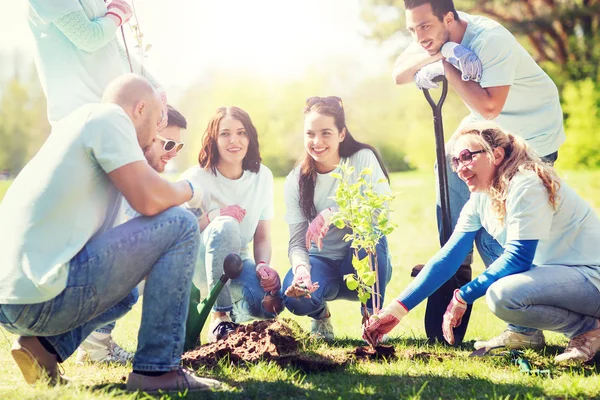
(23, 123)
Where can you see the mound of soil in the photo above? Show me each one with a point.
(272, 340)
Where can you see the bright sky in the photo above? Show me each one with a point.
(273, 37)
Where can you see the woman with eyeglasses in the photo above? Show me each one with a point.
(318, 254)
(548, 276)
(239, 212)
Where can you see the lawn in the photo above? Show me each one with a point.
(420, 372)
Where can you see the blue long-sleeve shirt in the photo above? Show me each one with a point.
(517, 257)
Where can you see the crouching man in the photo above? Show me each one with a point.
(63, 273)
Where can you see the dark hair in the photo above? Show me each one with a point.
(209, 153)
(439, 7)
(175, 118)
(333, 107)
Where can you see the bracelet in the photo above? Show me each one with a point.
(191, 188)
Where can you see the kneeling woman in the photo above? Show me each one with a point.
(239, 211)
(548, 276)
(318, 268)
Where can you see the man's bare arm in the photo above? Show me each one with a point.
(410, 62)
(488, 102)
(146, 191)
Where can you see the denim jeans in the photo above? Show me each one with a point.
(554, 298)
(101, 287)
(488, 248)
(330, 276)
(242, 296)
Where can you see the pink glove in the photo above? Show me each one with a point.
(269, 278)
(382, 323)
(165, 110)
(302, 285)
(236, 212)
(120, 9)
(453, 316)
(318, 228)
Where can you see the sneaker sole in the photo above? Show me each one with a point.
(29, 367)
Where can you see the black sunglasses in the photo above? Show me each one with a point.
(331, 101)
(465, 157)
(169, 144)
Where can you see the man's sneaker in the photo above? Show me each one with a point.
(220, 328)
(179, 380)
(513, 340)
(322, 329)
(35, 362)
(581, 348)
(101, 348)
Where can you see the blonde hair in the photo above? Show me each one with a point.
(518, 156)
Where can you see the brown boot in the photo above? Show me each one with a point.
(179, 379)
(34, 361)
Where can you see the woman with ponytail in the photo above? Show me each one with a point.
(548, 276)
(318, 254)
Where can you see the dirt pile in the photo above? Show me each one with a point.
(273, 340)
(378, 353)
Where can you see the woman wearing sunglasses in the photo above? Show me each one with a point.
(318, 254)
(548, 276)
(239, 211)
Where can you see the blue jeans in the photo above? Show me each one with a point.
(101, 287)
(241, 296)
(330, 276)
(554, 298)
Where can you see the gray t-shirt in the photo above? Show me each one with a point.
(334, 247)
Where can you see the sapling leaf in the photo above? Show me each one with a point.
(336, 175)
(351, 282)
(368, 278)
(364, 297)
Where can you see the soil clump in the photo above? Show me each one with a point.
(271, 340)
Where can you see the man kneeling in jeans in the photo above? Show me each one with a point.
(64, 274)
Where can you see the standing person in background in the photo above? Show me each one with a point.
(77, 52)
(548, 276)
(497, 80)
(99, 347)
(239, 212)
(319, 256)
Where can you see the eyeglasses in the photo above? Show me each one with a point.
(465, 157)
(331, 101)
(169, 144)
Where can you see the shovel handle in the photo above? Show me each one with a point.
(437, 106)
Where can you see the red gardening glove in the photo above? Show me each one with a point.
(302, 285)
(382, 323)
(269, 278)
(120, 9)
(236, 212)
(453, 316)
(318, 228)
(165, 110)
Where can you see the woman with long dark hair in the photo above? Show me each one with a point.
(238, 212)
(318, 254)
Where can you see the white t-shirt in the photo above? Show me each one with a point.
(61, 199)
(334, 246)
(70, 77)
(253, 192)
(567, 236)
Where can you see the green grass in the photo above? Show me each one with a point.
(447, 374)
